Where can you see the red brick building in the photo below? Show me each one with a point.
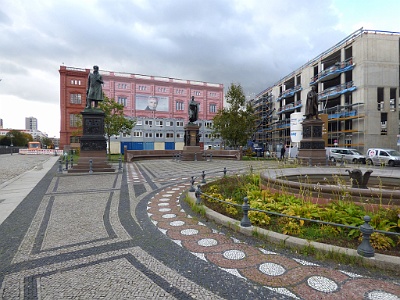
(133, 91)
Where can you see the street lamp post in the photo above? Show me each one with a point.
(11, 144)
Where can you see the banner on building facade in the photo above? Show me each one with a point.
(152, 103)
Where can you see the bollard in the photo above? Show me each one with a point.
(60, 170)
(203, 175)
(210, 156)
(72, 162)
(120, 163)
(90, 166)
(179, 157)
(192, 183)
(195, 156)
(327, 161)
(197, 193)
(55, 152)
(66, 163)
(365, 249)
(342, 161)
(251, 169)
(245, 207)
(224, 171)
(310, 162)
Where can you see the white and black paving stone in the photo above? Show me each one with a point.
(129, 235)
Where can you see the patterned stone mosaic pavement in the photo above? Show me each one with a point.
(127, 236)
(295, 278)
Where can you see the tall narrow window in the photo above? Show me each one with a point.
(392, 102)
(384, 124)
(74, 120)
(75, 98)
(122, 100)
(213, 108)
(380, 98)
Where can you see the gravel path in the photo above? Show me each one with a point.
(14, 165)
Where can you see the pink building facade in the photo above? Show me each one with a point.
(142, 96)
(172, 95)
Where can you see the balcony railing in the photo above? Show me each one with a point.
(333, 71)
(290, 92)
(336, 91)
(289, 107)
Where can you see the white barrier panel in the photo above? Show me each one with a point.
(40, 151)
(296, 127)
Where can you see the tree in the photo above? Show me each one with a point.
(47, 143)
(18, 139)
(114, 120)
(235, 123)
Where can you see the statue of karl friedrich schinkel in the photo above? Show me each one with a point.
(94, 90)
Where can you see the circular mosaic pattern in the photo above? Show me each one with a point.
(169, 216)
(272, 269)
(189, 231)
(378, 295)
(164, 209)
(322, 284)
(177, 223)
(234, 254)
(207, 242)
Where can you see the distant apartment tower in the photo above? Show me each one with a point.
(31, 123)
(1, 123)
(357, 81)
(135, 92)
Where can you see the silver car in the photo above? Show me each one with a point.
(345, 154)
(379, 156)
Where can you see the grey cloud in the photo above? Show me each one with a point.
(214, 41)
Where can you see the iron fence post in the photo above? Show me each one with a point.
(245, 207)
(203, 175)
(365, 249)
(192, 184)
(197, 193)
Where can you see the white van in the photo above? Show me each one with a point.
(379, 156)
(345, 154)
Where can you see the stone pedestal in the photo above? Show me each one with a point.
(191, 150)
(312, 146)
(93, 153)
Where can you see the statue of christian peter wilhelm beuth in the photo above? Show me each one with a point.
(312, 104)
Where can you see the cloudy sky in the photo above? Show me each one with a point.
(249, 42)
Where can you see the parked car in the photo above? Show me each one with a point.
(379, 156)
(346, 154)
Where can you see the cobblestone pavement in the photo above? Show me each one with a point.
(13, 165)
(129, 235)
